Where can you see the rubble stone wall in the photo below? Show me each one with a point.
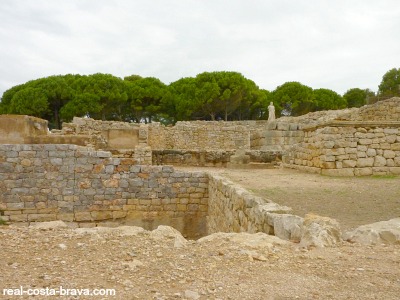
(200, 135)
(352, 150)
(384, 111)
(232, 208)
(74, 184)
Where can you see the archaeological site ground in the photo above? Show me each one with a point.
(296, 208)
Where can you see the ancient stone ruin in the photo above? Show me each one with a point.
(93, 173)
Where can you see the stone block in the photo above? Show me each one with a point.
(18, 218)
(83, 216)
(395, 146)
(365, 141)
(389, 154)
(349, 163)
(394, 170)
(101, 215)
(365, 162)
(42, 217)
(344, 172)
(379, 161)
(371, 152)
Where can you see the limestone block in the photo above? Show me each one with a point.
(385, 232)
(394, 170)
(328, 165)
(19, 218)
(363, 171)
(42, 217)
(371, 152)
(395, 146)
(338, 172)
(320, 231)
(286, 226)
(361, 154)
(49, 225)
(365, 141)
(349, 163)
(83, 216)
(389, 154)
(365, 162)
(379, 161)
(67, 217)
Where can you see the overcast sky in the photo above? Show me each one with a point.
(338, 45)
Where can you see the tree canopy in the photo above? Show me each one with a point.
(222, 95)
(390, 84)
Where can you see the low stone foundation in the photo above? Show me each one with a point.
(349, 149)
(74, 184)
(92, 188)
(210, 158)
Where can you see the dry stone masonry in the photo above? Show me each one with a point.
(363, 142)
(76, 184)
(107, 173)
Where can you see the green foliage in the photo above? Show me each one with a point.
(390, 84)
(145, 96)
(293, 98)
(325, 99)
(29, 101)
(208, 96)
(84, 104)
(355, 97)
(215, 95)
(182, 103)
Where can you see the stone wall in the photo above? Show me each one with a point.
(19, 129)
(105, 135)
(364, 141)
(383, 111)
(277, 135)
(231, 208)
(348, 150)
(75, 184)
(199, 135)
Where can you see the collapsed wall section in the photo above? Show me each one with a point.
(75, 184)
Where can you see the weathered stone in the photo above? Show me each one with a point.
(320, 231)
(365, 162)
(338, 172)
(379, 161)
(49, 225)
(385, 232)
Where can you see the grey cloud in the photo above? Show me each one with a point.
(332, 44)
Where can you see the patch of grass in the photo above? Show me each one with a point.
(2, 222)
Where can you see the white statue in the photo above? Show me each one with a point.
(271, 111)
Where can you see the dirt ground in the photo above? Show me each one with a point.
(140, 265)
(352, 201)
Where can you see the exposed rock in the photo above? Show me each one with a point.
(193, 295)
(320, 231)
(286, 226)
(48, 225)
(163, 232)
(258, 240)
(385, 232)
